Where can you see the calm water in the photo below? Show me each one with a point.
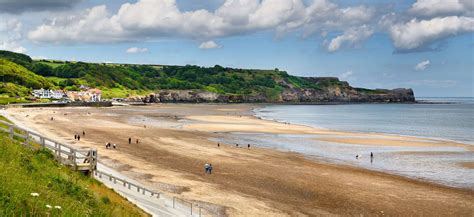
(435, 164)
(446, 121)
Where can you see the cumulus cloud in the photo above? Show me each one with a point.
(416, 34)
(346, 75)
(350, 37)
(440, 7)
(10, 36)
(422, 65)
(136, 50)
(209, 45)
(19, 6)
(147, 19)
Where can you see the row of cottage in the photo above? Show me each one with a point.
(85, 95)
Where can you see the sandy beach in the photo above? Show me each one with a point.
(176, 140)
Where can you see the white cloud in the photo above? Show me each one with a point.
(209, 45)
(148, 19)
(346, 75)
(422, 65)
(10, 36)
(422, 33)
(440, 7)
(137, 50)
(93, 25)
(350, 37)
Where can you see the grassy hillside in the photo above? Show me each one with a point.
(122, 80)
(24, 172)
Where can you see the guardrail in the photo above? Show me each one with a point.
(78, 159)
(86, 160)
(189, 207)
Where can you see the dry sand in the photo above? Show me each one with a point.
(255, 182)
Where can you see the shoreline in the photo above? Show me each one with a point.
(245, 181)
(366, 132)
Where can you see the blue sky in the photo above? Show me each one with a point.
(376, 44)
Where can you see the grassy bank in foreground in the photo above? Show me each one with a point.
(32, 183)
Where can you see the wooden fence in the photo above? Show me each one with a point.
(78, 159)
(86, 160)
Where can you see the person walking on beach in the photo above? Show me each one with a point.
(75, 136)
(129, 140)
(83, 133)
(115, 146)
(210, 168)
(237, 145)
(371, 157)
(218, 145)
(78, 138)
(137, 141)
(248, 146)
(206, 168)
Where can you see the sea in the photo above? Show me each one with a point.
(441, 118)
(444, 118)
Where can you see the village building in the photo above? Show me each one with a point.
(89, 95)
(85, 95)
(49, 94)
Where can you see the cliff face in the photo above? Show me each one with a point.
(331, 91)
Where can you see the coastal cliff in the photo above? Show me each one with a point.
(332, 91)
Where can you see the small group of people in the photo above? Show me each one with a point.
(77, 136)
(208, 168)
(130, 140)
(371, 157)
(108, 145)
(236, 145)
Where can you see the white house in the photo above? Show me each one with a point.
(48, 94)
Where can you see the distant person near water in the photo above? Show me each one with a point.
(218, 145)
(206, 168)
(137, 141)
(248, 146)
(237, 145)
(129, 140)
(83, 133)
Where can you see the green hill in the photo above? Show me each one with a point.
(240, 85)
(120, 80)
(24, 172)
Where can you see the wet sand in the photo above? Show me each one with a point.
(256, 182)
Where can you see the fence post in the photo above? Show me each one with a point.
(74, 158)
(27, 138)
(12, 132)
(43, 142)
(59, 152)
